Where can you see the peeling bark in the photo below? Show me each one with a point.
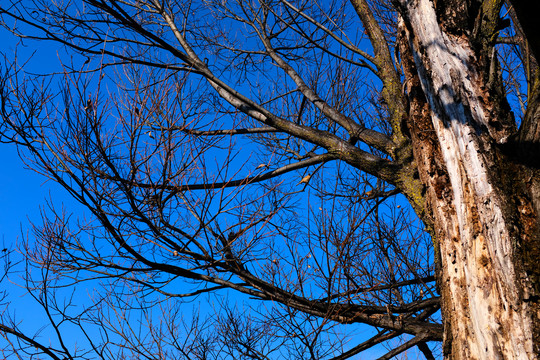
(486, 308)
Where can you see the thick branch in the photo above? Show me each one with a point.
(377, 339)
(258, 130)
(391, 91)
(398, 350)
(30, 341)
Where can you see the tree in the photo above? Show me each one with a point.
(267, 148)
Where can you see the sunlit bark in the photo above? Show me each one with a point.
(482, 210)
(338, 107)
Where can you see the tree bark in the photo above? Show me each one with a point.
(485, 224)
(527, 13)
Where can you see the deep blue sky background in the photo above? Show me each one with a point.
(23, 191)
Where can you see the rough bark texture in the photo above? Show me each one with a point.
(482, 202)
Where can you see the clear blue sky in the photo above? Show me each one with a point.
(22, 191)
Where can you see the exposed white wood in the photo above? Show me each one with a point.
(491, 321)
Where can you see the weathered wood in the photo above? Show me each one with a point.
(481, 278)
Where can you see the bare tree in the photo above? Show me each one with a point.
(324, 176)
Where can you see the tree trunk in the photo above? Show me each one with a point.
(483, 210)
